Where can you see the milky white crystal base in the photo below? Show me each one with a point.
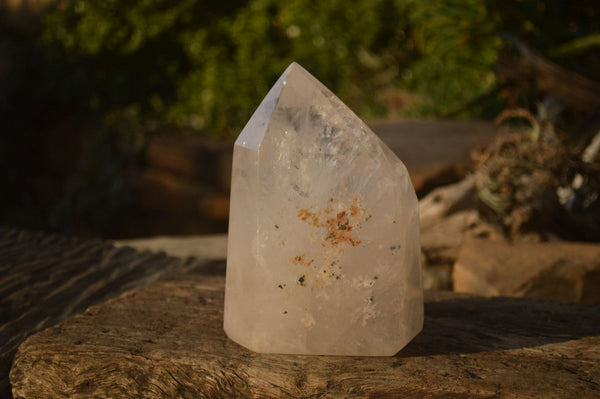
(323, 252)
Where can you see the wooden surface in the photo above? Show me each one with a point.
(47, 278)
(166, 341)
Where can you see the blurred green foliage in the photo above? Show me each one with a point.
(458, 45)
(206, 65)
(117, 71)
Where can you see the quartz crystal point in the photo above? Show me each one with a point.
(323, 251)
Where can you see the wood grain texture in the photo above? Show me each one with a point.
(166, 341)
(47, 278)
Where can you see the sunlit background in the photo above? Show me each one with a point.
(117, 117)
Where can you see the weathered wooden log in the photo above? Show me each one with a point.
(443, 200)
(167, 341)
(569, 87)
(47, 278)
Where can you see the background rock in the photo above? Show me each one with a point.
(552, 270)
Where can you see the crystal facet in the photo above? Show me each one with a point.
(323, 252)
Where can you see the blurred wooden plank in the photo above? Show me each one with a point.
(434, 152)
(47, 278)
(569, 87)
(166, 340)
(428, 148)
(198, 158)
(210, 246)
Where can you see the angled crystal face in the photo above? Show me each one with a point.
(323, 250)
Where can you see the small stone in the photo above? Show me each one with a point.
(564, 271)
(345, 247)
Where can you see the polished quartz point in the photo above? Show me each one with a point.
(323, 251)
